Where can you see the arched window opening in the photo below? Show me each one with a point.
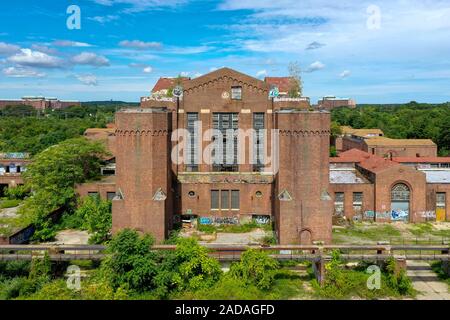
(400, 198)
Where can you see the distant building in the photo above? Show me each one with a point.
(332, 102)
(374, 142)
(373, 188)
(351, 138)
(11, 167)
(39, 103)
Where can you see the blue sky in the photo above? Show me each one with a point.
(373, 51)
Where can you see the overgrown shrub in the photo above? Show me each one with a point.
(256, 268)
(397, 278)
(17, 193)
(131, 263)
(93, 215)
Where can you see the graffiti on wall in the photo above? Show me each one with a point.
(427, 214)
(261, 219)
(219, 220)
(393, 215)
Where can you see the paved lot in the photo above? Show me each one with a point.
(71, 237)
(426, 281)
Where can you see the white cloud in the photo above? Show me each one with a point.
(140, 45)
(147, 70)
(43, 48)
(144, 67)
(69, 43)
(104, 19)
(184, 74)
(197, 74)
(188, 50)
(315, 66)
(142, 5)
(345, 74)
(87, 79)
(6, 48)
(261, 73)
(90, 58)
(14, 72)
(30, 58)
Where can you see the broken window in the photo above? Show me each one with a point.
(236, 93)
(110, 195)
(339, 203)
(357, 202)
(225, 141)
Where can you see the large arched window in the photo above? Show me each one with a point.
(400, 197)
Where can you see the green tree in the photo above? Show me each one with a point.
(52, 177)
(196, 270)
(131, 263)
(96, 217)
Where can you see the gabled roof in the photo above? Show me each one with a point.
(353, 155)
(226, 72)
(167, 83)
(377, 164)
(364, 160)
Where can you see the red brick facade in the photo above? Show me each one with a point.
(144, 150)
(356, 171)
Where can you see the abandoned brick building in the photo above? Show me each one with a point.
(301, 192)
(153, 191)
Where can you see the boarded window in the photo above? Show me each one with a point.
(215, 200)
(235, 199)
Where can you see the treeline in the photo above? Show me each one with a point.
(405, 121)
(24, 129)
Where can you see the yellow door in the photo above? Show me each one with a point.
(440, 214)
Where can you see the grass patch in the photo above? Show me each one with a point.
(366, 232)
(438, 268)
(9, 203)
(287, 285)
(238, 228)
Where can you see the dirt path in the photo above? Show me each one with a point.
(426, 282)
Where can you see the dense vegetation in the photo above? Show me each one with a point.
(23, 129)
(408, 121)
(133, 271)
(53, 176)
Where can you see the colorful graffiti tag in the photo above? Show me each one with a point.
(219, 220)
